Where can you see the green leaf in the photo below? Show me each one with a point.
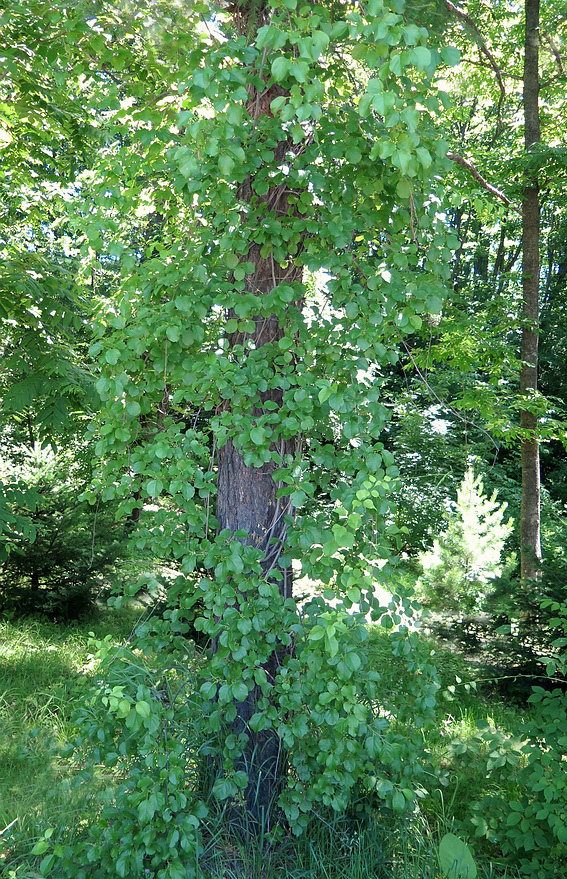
(332, 644)
(352, 661)
(46, 864)
(320, 40)
(133, 408)
(326, 392)
(154, 487)
(364, 105)
(258, 435)
(223, 788)
(396, 64)
(379, 104)
(298, 498)
(316, 633)
(112, 356)
(226, 164)
(421, 57)
(234, 114)
(277, 104)
(353, 155)
(299, 70)
(143, 708)
(240, 691)
(40, 847)
(147, 810)
(280, 68)
(173, 334)
(339, 30)
(343, 537)
(398, 801)
(231, 260)
(208, 690)
(434, 304)
(450, 55)
(424, 157)
(455, 858)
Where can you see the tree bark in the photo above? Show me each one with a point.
(247, 500)
(247, 495)
(530, 537)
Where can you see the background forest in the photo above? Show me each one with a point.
(282, 439)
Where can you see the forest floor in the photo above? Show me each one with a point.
(46, 670)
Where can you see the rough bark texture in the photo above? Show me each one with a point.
(247, 496)
(246, 500)
(530, 514)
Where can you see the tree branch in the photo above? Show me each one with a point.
(555, 51)
(506, 74)
(474, 172)
(460, 13)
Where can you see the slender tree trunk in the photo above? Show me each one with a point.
(247, 495)
(530, 513)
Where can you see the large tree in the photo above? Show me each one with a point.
(292, 161)
(46, 141)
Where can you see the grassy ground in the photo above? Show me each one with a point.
(45, 670)
(477, 730)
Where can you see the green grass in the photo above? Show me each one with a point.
(474, 730)
(45, 671)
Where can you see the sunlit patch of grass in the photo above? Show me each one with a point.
(475, 736)
(43, 676)
(393, 848)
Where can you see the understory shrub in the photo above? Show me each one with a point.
(59, 569)
(530, 827)
(161, 720)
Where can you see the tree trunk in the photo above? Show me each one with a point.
(530, 513)
(247, 495)
(247, 500)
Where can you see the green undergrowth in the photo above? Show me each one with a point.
(474, 748)
(45, 670)
(45, 673)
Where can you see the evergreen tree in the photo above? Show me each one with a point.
(466, 557)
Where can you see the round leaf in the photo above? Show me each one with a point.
(455, 858)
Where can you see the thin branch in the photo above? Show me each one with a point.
(474, 172)
(555, 51)
(447, 406)
(505, 74)
(460, 13)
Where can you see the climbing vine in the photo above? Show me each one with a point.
(291, 177)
